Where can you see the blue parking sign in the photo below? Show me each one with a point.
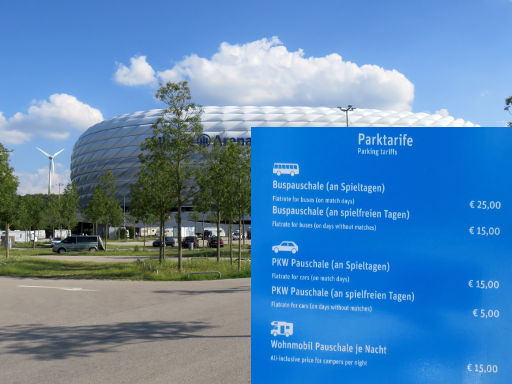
(381, 255)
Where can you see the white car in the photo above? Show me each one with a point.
(286, 246)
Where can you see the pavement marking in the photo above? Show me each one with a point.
(61, 288)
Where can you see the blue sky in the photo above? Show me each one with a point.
(66, 65)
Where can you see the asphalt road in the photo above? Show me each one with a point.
(97, 331)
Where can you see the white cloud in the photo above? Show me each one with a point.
(443, 112)
(11, 136)
(139, 72)
(54, 119)
(265, 72)
(31, 183)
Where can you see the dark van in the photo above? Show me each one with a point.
(77, 243)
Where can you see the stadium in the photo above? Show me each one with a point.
(114, 144)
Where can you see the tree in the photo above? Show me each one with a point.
(508, 106)
(242, 195)
(69, 206)
(195, 217)
(170, 153)
(104, 208)
(52, 215)
(24, 217)
(213, 190)
(142, 206)
(229, 164)
(93, 211)
(31, 211)
(8, 197)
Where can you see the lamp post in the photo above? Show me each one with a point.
(347, 109)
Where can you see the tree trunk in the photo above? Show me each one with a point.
(144, 246)
(6, 240)
(218, 236)
(106, 236)
(203, 238)
(231, 241)
(243, 226)
(180, 251)
(161, 249)
(240, 242)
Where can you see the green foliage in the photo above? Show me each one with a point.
(224, 183)
(31, 213)
(508, 106)
(8, 186)
(52, 213)
(69, 206)
(104, 208)
(144, 202)
(213, 190)
(168, 156)
(8, 197)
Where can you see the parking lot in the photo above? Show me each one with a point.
(97, 331)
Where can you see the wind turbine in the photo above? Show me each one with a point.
(51, 167)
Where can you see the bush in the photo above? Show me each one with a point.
(122, 233)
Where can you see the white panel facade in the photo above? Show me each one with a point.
(114, 144)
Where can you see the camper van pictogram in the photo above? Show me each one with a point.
(281, 328)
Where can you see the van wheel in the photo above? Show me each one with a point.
(278, 173)
(292, 174)
(92, 249)
(61, 251)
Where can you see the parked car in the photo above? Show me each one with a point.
(236, 235)
(79, 243)
(185, 243)
(212, 243)
(169, 242)
(207, 234)
(55, 240)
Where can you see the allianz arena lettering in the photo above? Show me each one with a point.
(205, 140)
(114, 144)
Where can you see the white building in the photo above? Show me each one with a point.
(114, 144)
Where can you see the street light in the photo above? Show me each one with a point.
(348, 109)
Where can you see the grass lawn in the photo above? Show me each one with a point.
(148, 270)
(132, 251)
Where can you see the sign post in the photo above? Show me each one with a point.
(382, 255)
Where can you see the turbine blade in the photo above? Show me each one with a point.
(58, 153)
(52, 166)
(44, 153)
